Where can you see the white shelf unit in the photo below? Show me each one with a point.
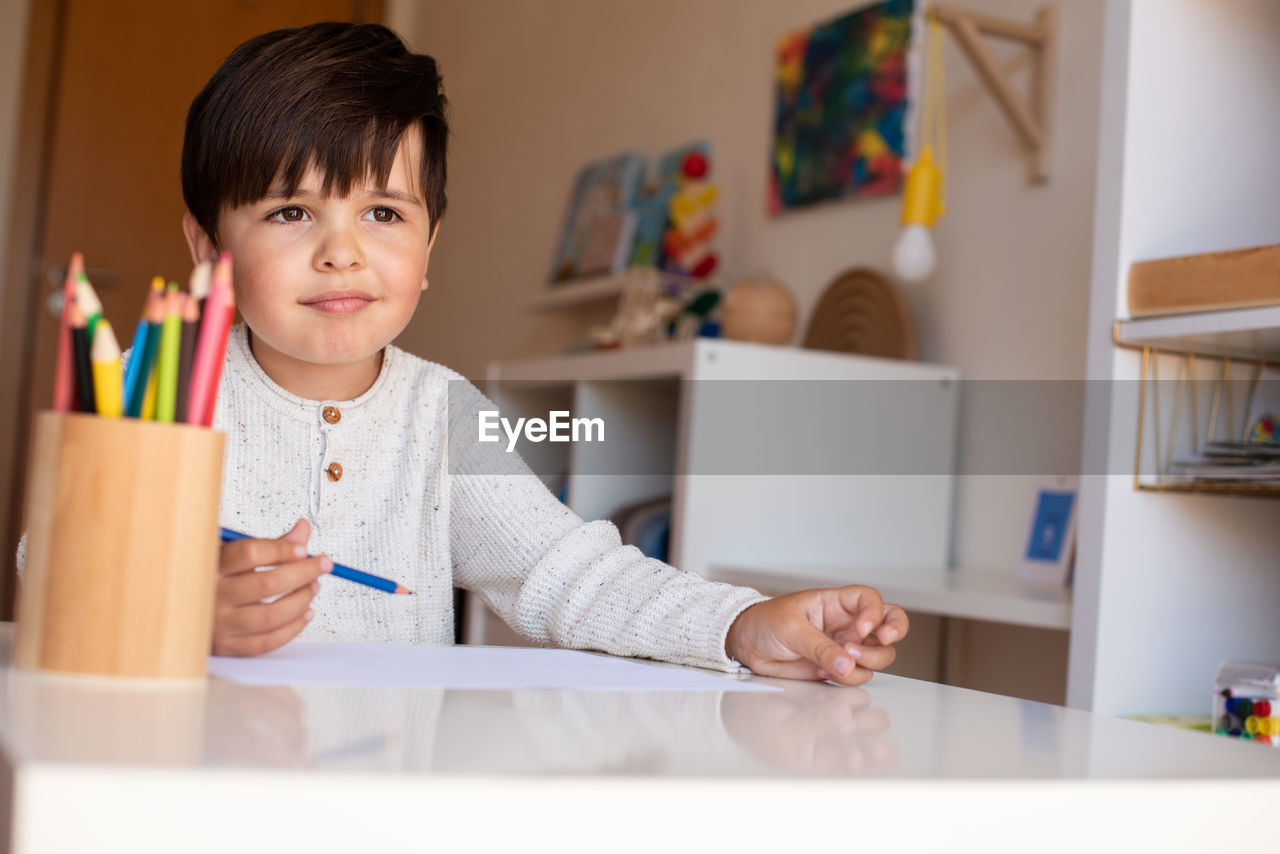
(1168, 585)
(1235, 338)
(686, 427)
(1246, 334)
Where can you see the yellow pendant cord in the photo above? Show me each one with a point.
(933, 118)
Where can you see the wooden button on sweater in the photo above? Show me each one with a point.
(334, 471)
(333, 416)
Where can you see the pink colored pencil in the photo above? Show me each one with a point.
(64, 382)
(211, 347)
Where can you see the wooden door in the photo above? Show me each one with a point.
(115, 84)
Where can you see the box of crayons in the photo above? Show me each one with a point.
(1246, 701)
(123, 487)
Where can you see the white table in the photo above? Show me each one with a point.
(95, 767)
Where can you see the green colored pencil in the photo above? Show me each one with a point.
(170, 348)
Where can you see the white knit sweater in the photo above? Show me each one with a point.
(429, 513)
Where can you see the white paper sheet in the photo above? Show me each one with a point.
(474, 668)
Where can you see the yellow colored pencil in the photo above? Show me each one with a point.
(167, 364)
(108, 387)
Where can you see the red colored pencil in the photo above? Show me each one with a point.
(64, 381)
(211, 348)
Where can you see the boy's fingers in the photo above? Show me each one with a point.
(264, 619)
(249, 588)
(825, 655)
(873, 657)
(299, 533)
(895, 625)
(855, 607)
(258, 644)
(866, 606)
(247, 555)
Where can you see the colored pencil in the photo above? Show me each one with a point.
(149, 392)
(199, 283)
(167, 361)
(137, 354)
(340, 571)
(136, 397)
(186, 353)
(105, 355)
(211, 347)
(80, 354)
(87, 299)
(64, 380)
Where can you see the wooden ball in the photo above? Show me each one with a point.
(760, 310)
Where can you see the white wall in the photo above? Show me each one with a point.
(13, 43)
(1167, 586)
(539, 88)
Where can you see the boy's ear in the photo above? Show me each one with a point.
(430, 245)
(198, 241)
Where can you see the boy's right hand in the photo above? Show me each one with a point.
(243, 624)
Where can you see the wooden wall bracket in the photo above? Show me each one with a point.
(1030, 120)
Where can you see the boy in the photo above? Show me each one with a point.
(316, 158)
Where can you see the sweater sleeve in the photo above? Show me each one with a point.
(559, 581)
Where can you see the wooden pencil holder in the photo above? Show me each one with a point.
(122, 548)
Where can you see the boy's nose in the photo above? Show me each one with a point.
(339, 249)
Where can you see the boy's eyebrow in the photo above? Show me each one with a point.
(302, 193)
(397, 196)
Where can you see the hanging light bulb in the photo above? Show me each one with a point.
(914, 256)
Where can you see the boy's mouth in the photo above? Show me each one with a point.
(338, 302)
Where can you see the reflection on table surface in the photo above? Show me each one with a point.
(892, 727)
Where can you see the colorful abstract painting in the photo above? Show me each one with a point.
(840, 107)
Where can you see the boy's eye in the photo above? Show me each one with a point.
(384, 215)
(289, 214)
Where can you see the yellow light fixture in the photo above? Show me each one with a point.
(914, 256)
(924, 194)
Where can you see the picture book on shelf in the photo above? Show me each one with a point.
(600, 222)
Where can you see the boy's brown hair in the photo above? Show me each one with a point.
(334, 95)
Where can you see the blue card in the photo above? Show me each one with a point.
(1050, 526)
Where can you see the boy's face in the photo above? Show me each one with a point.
(330, 281)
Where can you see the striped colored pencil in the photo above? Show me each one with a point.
(211, 347)
(87, 299)
(105, 356)
(167, 361)
(64, 379)
(80, 355)
(186, 354)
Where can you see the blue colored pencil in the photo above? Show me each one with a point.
(144, 357)
(375, 581)
(138, 356)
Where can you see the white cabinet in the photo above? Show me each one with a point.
(793, 461)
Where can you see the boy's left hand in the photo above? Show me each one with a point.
(843, 634)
